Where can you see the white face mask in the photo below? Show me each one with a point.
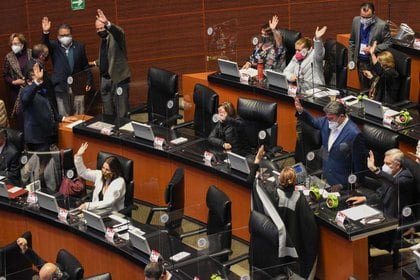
(66, 40)
(386, 169)
(366, 21)
(16, 48)
(332, 125)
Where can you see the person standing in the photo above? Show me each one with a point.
(113, 66)
(9, 158)
(69, 59)
(366, 29)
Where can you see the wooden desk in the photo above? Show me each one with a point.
(353, 79)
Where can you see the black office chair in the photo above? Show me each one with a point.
(16, 138)
(103, 276)
(403, 67)
(127, 172)
(68, 263)
(174, 200)
(219, 224)
(259, 122)
(414, 168)
(289, 39)
(379, 140)
(308, 140)
(206, 101)
(14, 265)
(162, 98)
(335, 66)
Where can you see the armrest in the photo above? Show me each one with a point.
(136, 110)
(153, 210)
(184, 124)
(236, 260)
(191, 233)
(171, 119)
(221, 253)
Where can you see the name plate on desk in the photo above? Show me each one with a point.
(159, 142)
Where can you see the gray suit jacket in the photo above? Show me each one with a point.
(379, 32)
(119, 69)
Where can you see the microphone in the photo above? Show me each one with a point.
(313, 80)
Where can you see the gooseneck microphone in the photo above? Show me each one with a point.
(313, 80)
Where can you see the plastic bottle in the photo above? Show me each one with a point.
(260, 69)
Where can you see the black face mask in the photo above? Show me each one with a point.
(265, 39)
(103, 34)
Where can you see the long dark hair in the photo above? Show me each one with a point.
(115, 167)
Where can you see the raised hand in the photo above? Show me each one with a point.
(320, 32)
(260, 154)
(371, 162)
(38, 73)
(101, 17)
(82, 149)
(46, 24)
(298, 106)
(372, 49)
(273, 22)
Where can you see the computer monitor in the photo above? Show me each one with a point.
(101, 223)
(143, 131)
(229, 68)
(139, 241)
(47, 201)
(277, 79)
(238, 162)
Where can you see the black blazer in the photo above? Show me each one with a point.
(388, 86)
(9, 162)
(61, 66)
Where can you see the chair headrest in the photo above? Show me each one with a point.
(162, 81)
(257, 110)
(402, 62)
(126, 164)
(261, 225)
(379, 138)
(218, 202)
(205, 98)
(175, 182)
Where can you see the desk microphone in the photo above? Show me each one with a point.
(313, 80)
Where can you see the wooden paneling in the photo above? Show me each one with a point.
(173, 34)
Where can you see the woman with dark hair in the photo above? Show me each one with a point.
(269, 50)
(228, 132)
(109, 191)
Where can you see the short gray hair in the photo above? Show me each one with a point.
(396, 154)
(335, 108)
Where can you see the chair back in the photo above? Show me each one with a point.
(335, 66)
(206, 101)
(219, 220)
(264, 245)
(68, 263)
(127, 172)
(341, 65)
(103, 276)
(14, 265)
(258, 116)
(414, 168)
(289, 39)
(403, 67)
(379, 140)
(16, 138)
(162, 96)
(174, 199)
(308, 140)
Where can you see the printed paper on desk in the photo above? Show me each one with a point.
(359, 212)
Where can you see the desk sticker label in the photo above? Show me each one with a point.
(158, 143)
(154, 256)
(62, 214)
(109, 235)
(340, 218)
(31, 198)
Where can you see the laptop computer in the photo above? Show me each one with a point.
(238, 162)
(11, 192)
(100, 223)
(47, 201)
(374, 108)
(139, 241)
(229, 68)
(143, 131)
(277, 79)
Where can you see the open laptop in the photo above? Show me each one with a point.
(139, 241)
(47, 201)
(238, 162)
(229, 68)
(143, 131)
(374, 108)
(11, 191)
(100, 223)
(276, 79)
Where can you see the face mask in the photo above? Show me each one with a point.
(107, 176)
(366, 21)
(386, 169)
(103, 34)
(16, 48)
(300, 55)
(66, 40)
(265, 39)
(332, 125)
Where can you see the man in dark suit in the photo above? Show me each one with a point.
(366, 29)
(9, 158)
(69, 60)
(343, 148)
(113, 66)
(39, 105)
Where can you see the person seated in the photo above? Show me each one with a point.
(156, 271)
(47, 270)
(384, 85)
(109, 191)
(290, 211)
(9, 155)
(270, 51)
(307, 64)
(228, 132)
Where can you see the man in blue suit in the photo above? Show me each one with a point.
(69, 60)
(343, 148)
